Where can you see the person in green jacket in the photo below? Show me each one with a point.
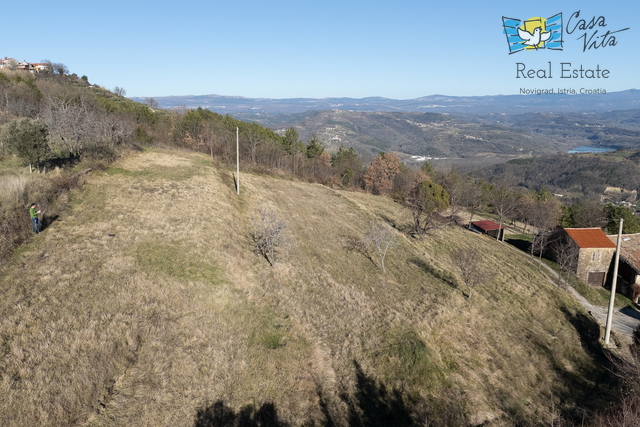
(34, 218)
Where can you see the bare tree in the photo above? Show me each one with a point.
(475, 196)
(253, 138)
(381, 237)
(151, 103)
(469, 263)
(544, 215)
(459, 189)
(11, 64)
(59, 68)
(566, 255)
(119, 91)
(588, 213)
(504, 203)
(111, 128)
(524, 210)
(48, 68)
(626, 411)
(70, 121)
(270, 234)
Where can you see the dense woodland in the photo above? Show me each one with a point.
(61, 125)
(579, 175)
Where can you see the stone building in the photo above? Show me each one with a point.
(595, 252)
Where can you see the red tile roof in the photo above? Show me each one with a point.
(487, 225)
(590, 238)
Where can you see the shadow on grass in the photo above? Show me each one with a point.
(443, 275)
(523, 245)
(372, 404)
(47, 221)
(61, 162)
(584, 391)
(357, 245)
(393, 223)
(595, 384)
(220, 415)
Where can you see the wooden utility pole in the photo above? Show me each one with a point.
(238, 160)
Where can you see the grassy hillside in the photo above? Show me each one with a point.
(145, 304)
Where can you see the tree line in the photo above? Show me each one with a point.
(48, 119)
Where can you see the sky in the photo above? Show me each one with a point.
(320, 49)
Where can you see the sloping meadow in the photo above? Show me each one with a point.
(147, 304)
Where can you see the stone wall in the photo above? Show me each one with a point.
(594, 260)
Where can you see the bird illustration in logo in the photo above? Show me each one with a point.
(533, 33)
(533, 39)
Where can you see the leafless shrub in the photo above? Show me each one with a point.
(357, 245)
(270, 234)
(469, 264)
(68, 121)
(566, 255)
(381, 237)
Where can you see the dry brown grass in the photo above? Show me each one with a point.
(146, 303)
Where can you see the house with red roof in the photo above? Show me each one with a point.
(488, 227)
(40, 66)
(595, 252)
(34, 67)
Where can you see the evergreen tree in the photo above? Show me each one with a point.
(29, 141)
(631, 224)
(291, 141)
(427, 200)
(346, 165)
(314, 148)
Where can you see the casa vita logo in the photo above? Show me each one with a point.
(533, 33)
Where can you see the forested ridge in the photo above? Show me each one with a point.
(579, 175)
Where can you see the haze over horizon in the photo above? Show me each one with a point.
(287, 49)
(348, 97)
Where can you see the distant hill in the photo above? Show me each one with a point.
(612, 129)
(508, 104)
(473, 128)
(471, 137)
(414, 134)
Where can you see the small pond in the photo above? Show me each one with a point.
(579, 150)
